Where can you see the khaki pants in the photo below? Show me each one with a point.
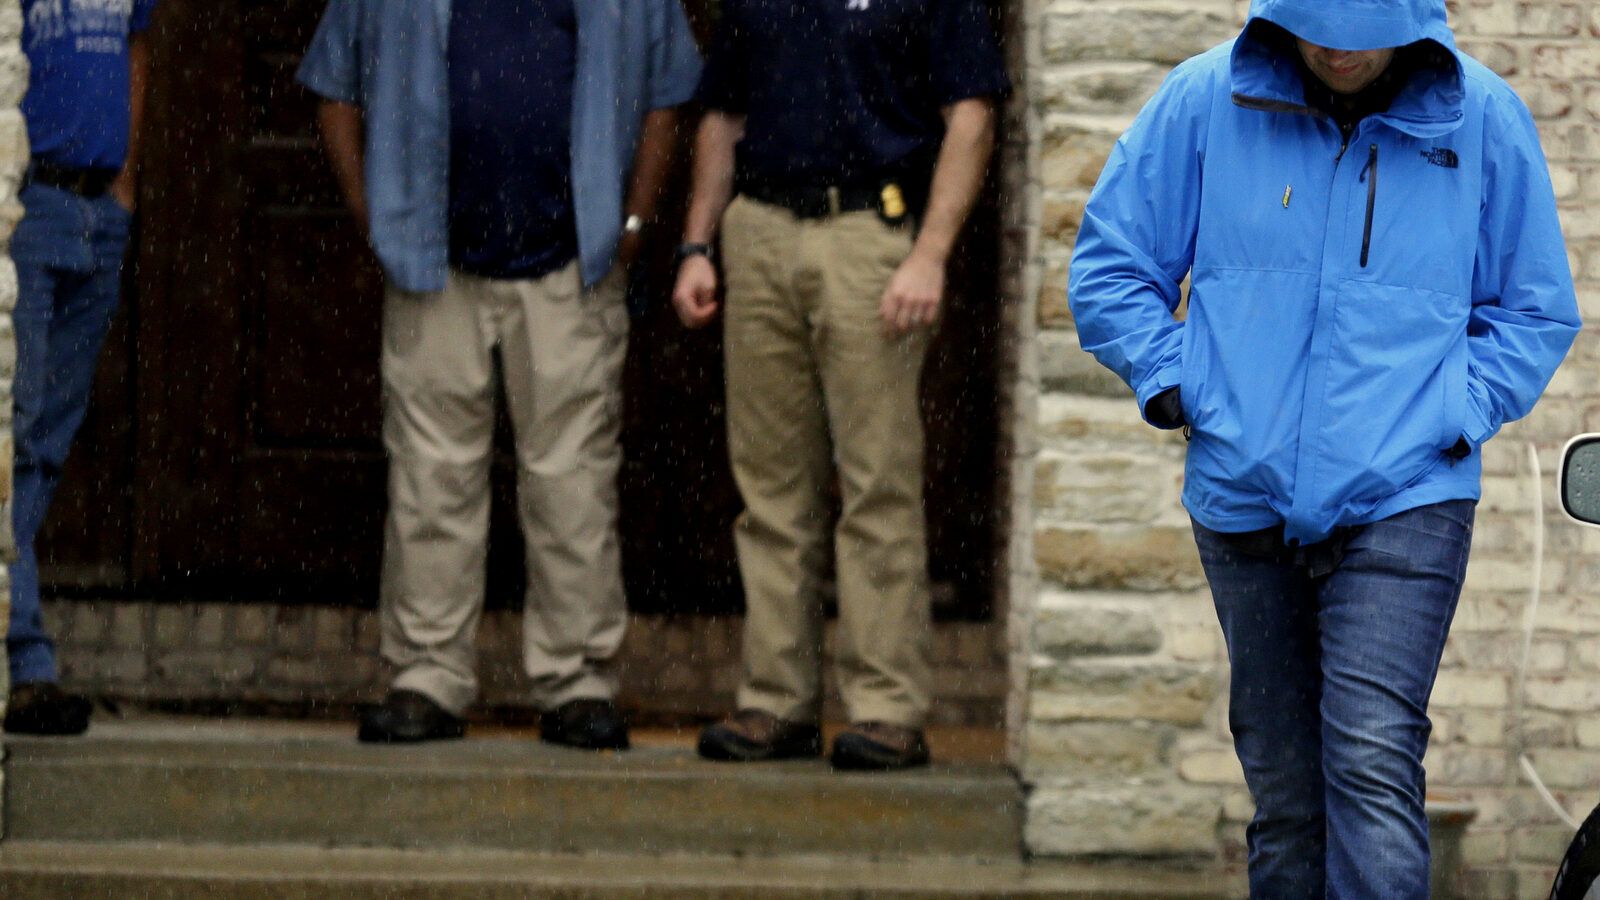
(561, 350)
(814, 386)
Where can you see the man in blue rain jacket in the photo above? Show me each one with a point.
(1377, 283)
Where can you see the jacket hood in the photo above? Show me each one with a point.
(1358, 24)
(1266, 73)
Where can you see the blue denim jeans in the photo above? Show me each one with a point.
(68, 252)
(1333, 658)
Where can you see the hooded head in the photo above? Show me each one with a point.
(1358, 24)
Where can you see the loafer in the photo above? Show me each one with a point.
(407, 717)
(41, 707)
(877, 746)
(585, 725)
(751, 735)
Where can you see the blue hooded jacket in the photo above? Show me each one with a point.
(1356, 308)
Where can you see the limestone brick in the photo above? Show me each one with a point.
(1118, 557)
(1095, 751)
(1109, 487)
(1162, 32)
(1099, 88)
(1071, 625)
(1203, 760)
(1162, 692)
(1065, 367)
(1136, 820)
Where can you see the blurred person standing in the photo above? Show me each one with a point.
(88, 65)
(844, 145)
(504, 157)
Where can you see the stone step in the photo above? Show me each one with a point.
(32, 870)
(248, 783)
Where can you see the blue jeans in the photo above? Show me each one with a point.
(68, 252)
(1333, 660)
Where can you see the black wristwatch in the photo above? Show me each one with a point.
(685, 251)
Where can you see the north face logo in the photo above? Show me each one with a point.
(1442, 156)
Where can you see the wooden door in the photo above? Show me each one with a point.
(233, 448)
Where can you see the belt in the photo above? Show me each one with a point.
(816, 202)
(89, 183)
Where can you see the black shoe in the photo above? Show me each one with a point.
(586, 725)
(40, 707)
(752, 735)
(406, 717)
(876, 746)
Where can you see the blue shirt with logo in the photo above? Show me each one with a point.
(838, 91)
(511, 66)
(77, 101)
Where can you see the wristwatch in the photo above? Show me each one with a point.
(685, 251)
(633, 224)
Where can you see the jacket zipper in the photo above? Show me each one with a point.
(1370, 175)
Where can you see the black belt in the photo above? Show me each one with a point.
(89, 183)
(817, 202)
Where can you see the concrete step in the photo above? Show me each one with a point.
(243, 783)
(81, 871)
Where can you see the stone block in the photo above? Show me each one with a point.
(1099, 88)
(13, 74)
(1457, 765)
(1066, 367)
(1054, 311)
(251, 624)
(1165, 33)
(127, 626)
(332, 628)
(1563, 62)
(208, 626)
(1567, 769)
(1564, 693)
(1069, 625)
(190, 672)
(1121, 691)
(1074, 149)
(1116, 557)
(1476, 689)
(1076, 424)
(1137, 820)
(1214, 766)
(1096, 751)
(1105, 487)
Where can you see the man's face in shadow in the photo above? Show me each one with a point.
(1344, 71)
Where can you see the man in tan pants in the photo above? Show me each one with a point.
(503, 156)
(856, 137)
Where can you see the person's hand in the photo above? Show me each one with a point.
(629, 248)
(913, 297)
(695, 295)
(124, 190)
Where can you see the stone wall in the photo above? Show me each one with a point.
(322, 660)
(1119, 686)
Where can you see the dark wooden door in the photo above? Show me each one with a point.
(233, 448)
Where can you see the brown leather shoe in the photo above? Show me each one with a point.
(752, 734)
(876, 746)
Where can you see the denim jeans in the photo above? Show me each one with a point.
(1331, 674)
(68, 252)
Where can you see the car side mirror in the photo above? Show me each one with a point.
(1579, 479)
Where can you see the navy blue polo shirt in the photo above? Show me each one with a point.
(511, 65)
(846, 91)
